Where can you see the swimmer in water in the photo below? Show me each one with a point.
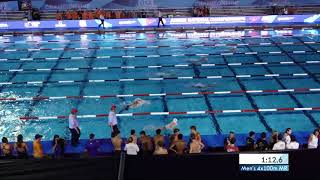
(194, 44)
(135, 104)
(200, 61)
(171, 125)
(234, 49)
(165, 74)
(203, 86)
(168, 127)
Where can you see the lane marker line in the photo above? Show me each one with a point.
(159, 78)
(177, 113)
(297, 90)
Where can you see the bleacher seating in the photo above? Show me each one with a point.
(308, 10)
(247, 11)
(252, 11)
(46, 15)
(12, 15)
(185, 12)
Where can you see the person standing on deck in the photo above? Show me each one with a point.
(112, 119)
(160, 19)
(101, 17)
(74, 127)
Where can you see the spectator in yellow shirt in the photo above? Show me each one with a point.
(37, 147)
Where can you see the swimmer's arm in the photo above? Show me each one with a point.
(54, 147)
(191, 149)
(26, 147)
(111, 127)
(201, 145)
(171, 148)
(310, 138)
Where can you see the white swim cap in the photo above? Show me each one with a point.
(175, 120)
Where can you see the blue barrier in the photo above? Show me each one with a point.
(152, 22)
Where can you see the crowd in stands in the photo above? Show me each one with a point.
(147, 145)
(197, 11)
(32, 14)
(88, 14)
(200, 11)
(280, 10)
(117, 14)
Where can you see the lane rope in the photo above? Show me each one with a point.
(163, 38)
(153, 32)
(39, 98)
(157, 55)
(157, 66)
(161, 46)
(288, 109)
(157, 79)
(223, 29)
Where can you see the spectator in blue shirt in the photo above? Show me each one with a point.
(92, 146)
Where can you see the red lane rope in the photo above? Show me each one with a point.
(287, 109)
(39, 98)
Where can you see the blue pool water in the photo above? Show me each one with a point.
(10, 111)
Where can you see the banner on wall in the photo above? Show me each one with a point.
(152, 4)
(151, 22)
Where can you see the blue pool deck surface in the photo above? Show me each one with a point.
(212, 127)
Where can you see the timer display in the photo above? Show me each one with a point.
(264, 162)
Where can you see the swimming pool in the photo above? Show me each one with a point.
(44, 76)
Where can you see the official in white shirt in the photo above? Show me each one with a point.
(287, 135)
(131, 148)
(74, 127)
(280, 145)
(313, 140)
(293, 143)
(112, 119)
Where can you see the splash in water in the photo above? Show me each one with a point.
(138, 102)
(203, 86)
(170, 126)
(165, 74)
(198, 61)
(150, 128)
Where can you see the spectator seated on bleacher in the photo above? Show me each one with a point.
(59, 16)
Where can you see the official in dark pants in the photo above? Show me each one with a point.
(101, 17)
(112, 119)
(160, 19)
(74, 127)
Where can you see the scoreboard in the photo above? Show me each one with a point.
(273, 162)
